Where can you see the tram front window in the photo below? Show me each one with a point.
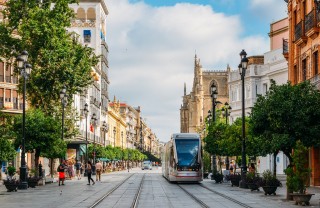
(187, 152)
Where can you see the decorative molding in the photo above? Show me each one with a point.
(83, 23)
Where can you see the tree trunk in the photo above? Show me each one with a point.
(235, 165)
(289, 197)
(36, 162)
(275, 163)
(51, 167)
(0, 170)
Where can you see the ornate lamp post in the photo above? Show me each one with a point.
(114, 136)
(214, 95)
(242, 70)
(128, 150)
(86, 112)
(25, 70)
(64, 102)
(105, 129)
(122, 148)
(94, 123)
(226, 111)
(209, 118)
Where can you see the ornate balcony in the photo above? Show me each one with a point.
(285, 48)
(311, 24)
(299, 33)
(316, 81)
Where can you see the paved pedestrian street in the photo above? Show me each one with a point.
(144, 188)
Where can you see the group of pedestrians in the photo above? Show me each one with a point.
(89, 168)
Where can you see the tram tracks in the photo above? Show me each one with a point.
(205, 205)
(135, 202)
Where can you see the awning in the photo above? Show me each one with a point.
(87, 32)
(104, 159)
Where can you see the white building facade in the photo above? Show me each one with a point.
(261, 70)
(90, 26)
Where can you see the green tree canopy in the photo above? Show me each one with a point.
(41, 135)
(7, 151)
(286, 114)
(57, 58)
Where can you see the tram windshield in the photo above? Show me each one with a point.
(187, 152)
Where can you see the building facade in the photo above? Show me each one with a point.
(198, 102)
(89, 28)
(303, 57)
(117, 124)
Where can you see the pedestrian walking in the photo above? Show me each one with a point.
(78, 167)
(98, 170)
(89, 172)
(60, 170)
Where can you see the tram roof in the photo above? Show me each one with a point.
(185, 135)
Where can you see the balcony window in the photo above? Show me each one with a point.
(310, 21)
(298, 29)
(304, 69)
(315, 63)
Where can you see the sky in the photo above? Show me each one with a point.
(152, 44)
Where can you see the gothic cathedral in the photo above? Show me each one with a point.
(196, 105)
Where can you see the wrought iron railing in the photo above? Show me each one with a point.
(285, 46)
(298, 29)
(310, 21)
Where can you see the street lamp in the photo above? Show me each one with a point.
(122, 148)
(226, 111)
(105, 129)
(64, 102)
(214, 96)
(94, 123)
(114, 136)
(86, 112)
(128, 150)
(242, 70)
(25, 70)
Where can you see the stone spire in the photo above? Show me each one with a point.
(228, 69)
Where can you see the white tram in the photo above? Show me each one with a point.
(182, 159)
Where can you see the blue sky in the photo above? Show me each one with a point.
(152, 44)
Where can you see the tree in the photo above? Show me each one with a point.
(56, 57)
(41, 135)
(7, 151)
(286, 114)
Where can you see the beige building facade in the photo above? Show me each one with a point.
(198, 102)
(117, 126)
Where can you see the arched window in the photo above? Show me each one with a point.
(91, 14)
(81, 15)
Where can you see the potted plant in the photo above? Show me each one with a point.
(11, 183)
(269, 183)
(218, 177)
(298, 176)
(234, 178)
(33, 179)
(253, 181)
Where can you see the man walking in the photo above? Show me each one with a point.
(78, 166)
(60, 170)
(98, 171)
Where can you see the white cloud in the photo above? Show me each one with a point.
(152, 50)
